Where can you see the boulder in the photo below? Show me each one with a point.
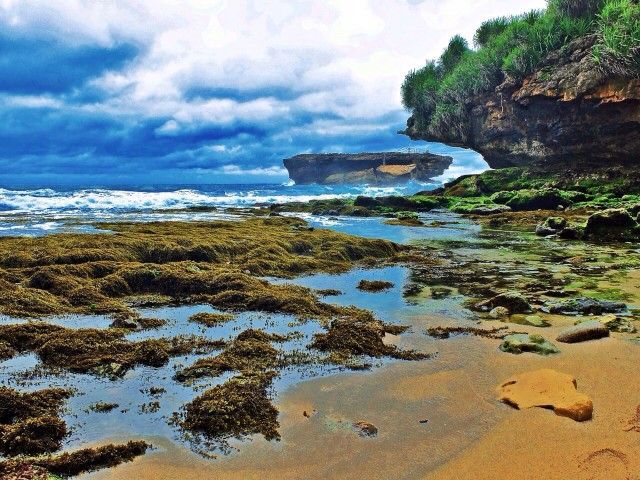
(615, 324)
(522, 342)
(586, 306)
(611, 224)
(547, 388)
(551, 226)
(589, 330)
(488, 209)
(512, 301)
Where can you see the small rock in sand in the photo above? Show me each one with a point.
(547, 388)
(589, 330)
(522, 342)
(365, 429)
(512, 301)
(499, 312)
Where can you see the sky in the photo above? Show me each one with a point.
(216, 91)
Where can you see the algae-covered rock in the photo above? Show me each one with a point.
(534, 321)
(615, 323)
(67, 465)
(499, 312)
(612, 224)
(540, 199)
(365, 429)
(438, 293)
(551, 226)
(485, 210)
(589, 330)
(547, 388)
(361, 335)
(586, 306)
(374, 285)
(210, 319)
(515, 302)
(519, 343)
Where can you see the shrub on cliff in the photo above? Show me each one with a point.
(618, 47)
(513, 47)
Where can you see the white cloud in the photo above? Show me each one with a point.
(274, 171)
(329, 67)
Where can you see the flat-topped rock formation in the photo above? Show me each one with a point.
(385, 168)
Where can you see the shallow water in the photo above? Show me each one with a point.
(394, 393)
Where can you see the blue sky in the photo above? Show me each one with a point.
(159, 91)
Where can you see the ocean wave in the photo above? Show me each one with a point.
(106, 200)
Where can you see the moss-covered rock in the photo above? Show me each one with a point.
(519, 343)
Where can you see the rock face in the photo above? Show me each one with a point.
(374, 168)
(566, 110)
(547, 388)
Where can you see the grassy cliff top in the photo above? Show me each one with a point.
(512, 48)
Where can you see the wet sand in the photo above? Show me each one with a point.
(468, 435)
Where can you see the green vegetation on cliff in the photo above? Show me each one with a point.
(512, 47)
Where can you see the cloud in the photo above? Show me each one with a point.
(172, 89)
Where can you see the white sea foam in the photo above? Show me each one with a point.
(94, 200)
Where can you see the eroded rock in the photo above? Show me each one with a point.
(547, 388)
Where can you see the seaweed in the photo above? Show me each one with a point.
(186, 262)
(360, 334)
(74, 463)
(374, 285)
(209, 319)
(236, 408)
(29, 422)
(250, 352)
(101, 352)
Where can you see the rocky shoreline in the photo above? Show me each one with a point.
(512, 300)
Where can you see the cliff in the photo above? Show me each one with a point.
(374, 168)
(568, 109)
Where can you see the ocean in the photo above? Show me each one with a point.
(41, 211)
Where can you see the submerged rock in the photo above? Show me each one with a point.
(534, 321)
(439, 293)
(374, 285)
(522, 342)
(586, 306)
(589, 330)
(365, 429)
(547, 388)
(512, 301)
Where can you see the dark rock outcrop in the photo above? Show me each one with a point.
(567, 110)
(375, 168)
